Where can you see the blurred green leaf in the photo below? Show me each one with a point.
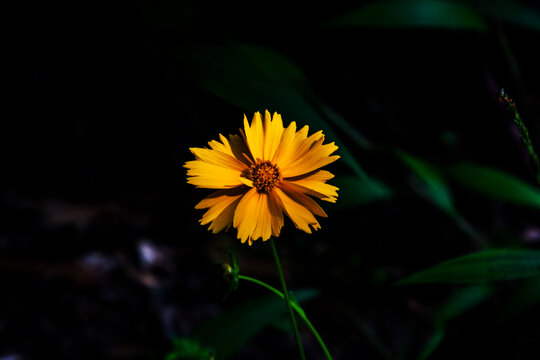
(354, 191)
(526, 297)
(413, 13)
(227, 333)
(432, 344)
(481, 267)
(512, 12)
(255, 78)
(352, 132)
(435, 190)
(433, 187)
(189, 349)
(495, 183)
(461, 301)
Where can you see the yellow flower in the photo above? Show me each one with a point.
(266, 171)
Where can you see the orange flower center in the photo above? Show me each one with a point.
(264, 175)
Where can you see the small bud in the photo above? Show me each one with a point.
(506, 100)
(230, 273)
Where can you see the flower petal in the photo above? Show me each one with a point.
(256, 216)
(295, 209)
(296, 147)
(221, 206)
(316, 157)
(276, 213)
(218, 158)
(290, 142)
(222, 146)
(315, 184)
(255, 136)
(240, 148)
(211, 176)
(246, 181)
(235, 146)
(298, 194)
(273, 130)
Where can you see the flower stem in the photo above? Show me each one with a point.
(296, 308)
(287, 299)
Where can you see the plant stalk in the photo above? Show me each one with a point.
(296, 308)
(287, 299)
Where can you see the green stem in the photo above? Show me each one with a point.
(523, 132)
(526, 141)
(287, 300)
(296, 307)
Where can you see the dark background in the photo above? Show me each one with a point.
(101, 253)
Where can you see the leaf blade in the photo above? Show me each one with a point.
(512, 12)
(481, 267)
(354, 191)
(495, 183)
(435, 188)
(413, 14)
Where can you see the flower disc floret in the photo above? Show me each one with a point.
(264, 176)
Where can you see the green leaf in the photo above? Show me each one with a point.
(435, 188)
(481, 267)
(255, 78)
(495, 183)
(341, 123)
(525, 298)
(413, 14)
(354, 191)
(432, 344)
(189, 349)
(512, 12)
(227, 333)
(461, 301)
